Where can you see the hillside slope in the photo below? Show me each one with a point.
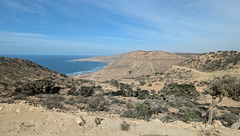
(213, 61)
(14, 72)
(137, 63)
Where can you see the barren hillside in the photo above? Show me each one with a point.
(137, 63)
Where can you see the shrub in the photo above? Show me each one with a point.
(191, 116)
(119, 93)
(37, 87)
(226, 86)
(19, 97)
(70, 101)
(81, 99)
(158, 108)
(68, 86)
(227, 119)
(129, 106)
(72, 91)
(142, 83)
(114, 83)
(54, 101)
(97, 104)
(124, 126)
(179, 102)
(118, 101)
(142, 94)
(167, 119)
(84, 90)
(183, 90)
(141, 111)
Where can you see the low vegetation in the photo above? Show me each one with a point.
(175, 101)
(180, 90)
(221, 60)
(140, 111)
(226, 86)
(124, 126)
(37, 87)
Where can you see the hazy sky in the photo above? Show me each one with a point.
(114, 26)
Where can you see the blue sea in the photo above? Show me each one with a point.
(63, 63)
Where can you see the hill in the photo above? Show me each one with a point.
(15, 72)
(136, 63)
(213, 61)
(172, 100)
(107, 59)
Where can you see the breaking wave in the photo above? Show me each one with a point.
(84, 72)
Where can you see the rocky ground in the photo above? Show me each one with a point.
(22, 120)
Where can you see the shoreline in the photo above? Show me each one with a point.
(95, 69)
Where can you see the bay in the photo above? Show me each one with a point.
(63, 63)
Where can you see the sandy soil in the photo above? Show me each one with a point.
(25, 120)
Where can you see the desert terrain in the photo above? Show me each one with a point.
(142, 93)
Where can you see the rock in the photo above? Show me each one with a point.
(18, 111)
(235, 126)
(23, 102)
(217, 123)
(1, 108)
(98, 121)
(80, 121)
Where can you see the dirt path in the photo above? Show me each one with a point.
(25, 120)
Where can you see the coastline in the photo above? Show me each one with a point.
(88, 71)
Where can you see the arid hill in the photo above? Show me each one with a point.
(15, 72)
(135, 64)
(213, 61)
(16, 69)
(169, 102)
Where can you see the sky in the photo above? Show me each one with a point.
(104, 27)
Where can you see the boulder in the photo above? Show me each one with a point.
(1, 108)
(80, 121)
(98, 121)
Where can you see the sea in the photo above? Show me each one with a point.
(63, 63)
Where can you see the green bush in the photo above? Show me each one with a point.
(191, 116)
(183, 90)
(142, 83)
(97, 104)
(225, 86)
(54, 101)
(124, 126)
(142, 94)
(119, 93)
(84, 90)
(141, 111)
(37, 87)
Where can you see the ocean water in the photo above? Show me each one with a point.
(63, 63)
